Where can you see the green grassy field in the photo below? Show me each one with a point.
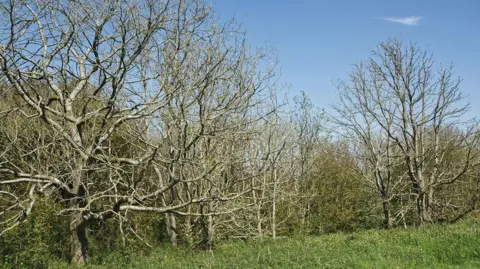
(436, 246)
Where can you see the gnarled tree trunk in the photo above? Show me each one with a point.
(78, 238)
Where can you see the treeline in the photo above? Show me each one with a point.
(127, 125)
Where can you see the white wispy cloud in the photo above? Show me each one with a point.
(411, 21)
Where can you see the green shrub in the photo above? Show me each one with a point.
(41, 237)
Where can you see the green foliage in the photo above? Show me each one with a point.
(436, 246)
(341, 201)
(36, 241)
(44, 237)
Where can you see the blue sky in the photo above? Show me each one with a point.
(318, 41)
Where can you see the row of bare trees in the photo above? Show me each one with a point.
(112, 108)
(142, 106)
(407, 123)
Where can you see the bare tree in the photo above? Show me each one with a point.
(373, 148)
(396, 103)
(134, 93)
(308, 123)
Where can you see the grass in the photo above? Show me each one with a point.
(436, 246)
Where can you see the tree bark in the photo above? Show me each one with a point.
(188, 227)
(274, 205)
(171, 224)
(210, 227)
(422, 209)
(78, 240)
(78, 233)
(386, 213)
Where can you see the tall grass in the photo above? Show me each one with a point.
(436, 246)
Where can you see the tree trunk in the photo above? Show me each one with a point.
(258, 207)
(171, 224)
(188, 227)
(210, 228)
(387, 221)
(421, 196)
(402, 213)
(306, 215)
(170, 221)
(78, 240)
(429, 202)
(274, 205)
(422, 209)
(259, 220)
(78, 233)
